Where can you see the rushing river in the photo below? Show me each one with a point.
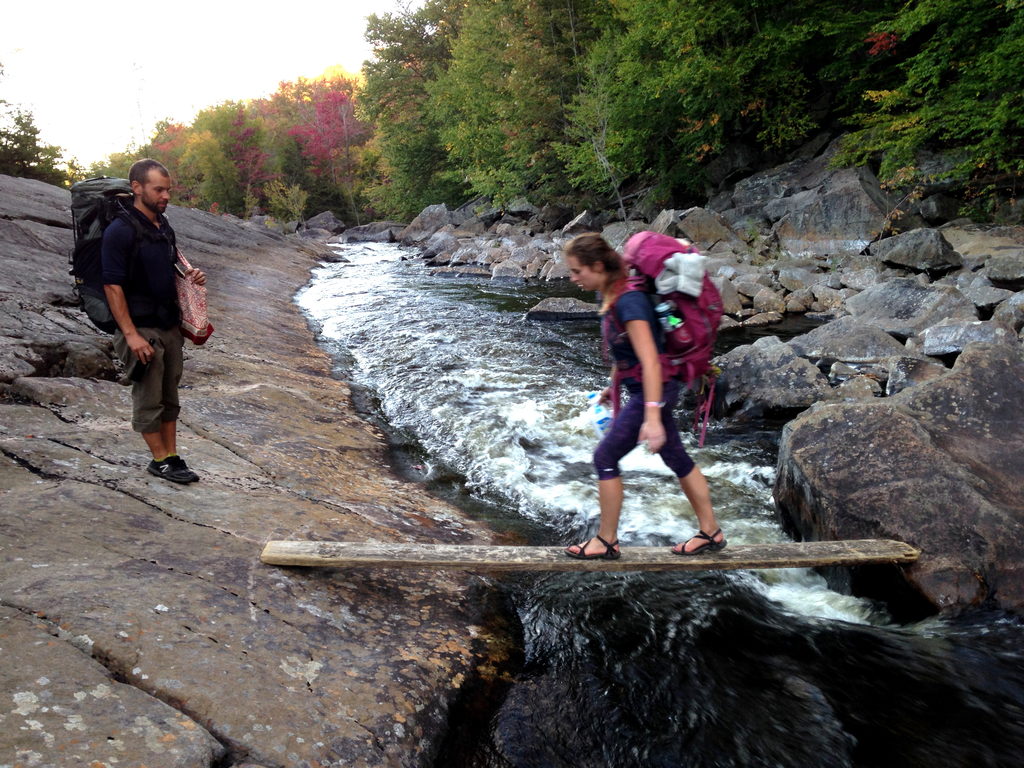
(754, 668)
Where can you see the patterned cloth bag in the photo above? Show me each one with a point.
(195, 324)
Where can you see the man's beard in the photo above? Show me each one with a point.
(157, 208)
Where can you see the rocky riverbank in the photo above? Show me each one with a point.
(137, 626)
(905, 401)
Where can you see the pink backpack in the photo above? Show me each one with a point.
(673, 270)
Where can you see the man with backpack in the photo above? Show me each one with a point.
(138, 258)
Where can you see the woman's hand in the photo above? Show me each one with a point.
(605, 398)
(652, 432)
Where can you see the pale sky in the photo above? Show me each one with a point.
(98, 77)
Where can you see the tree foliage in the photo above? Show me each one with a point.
(952, 84)
(23, 154)
(596, 102)
(593, 100)
(409, 163)
(240, 157)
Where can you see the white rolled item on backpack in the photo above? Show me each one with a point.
(683, 272)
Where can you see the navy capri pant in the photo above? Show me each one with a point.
(624, 432)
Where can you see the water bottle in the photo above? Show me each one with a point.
(668, 320)
(600, 415)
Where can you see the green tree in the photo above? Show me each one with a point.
(408, 162)
(501, 102)
(286, 203)
(21, 151)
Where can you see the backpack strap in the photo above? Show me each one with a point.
(668, 369)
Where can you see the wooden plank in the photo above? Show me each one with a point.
(476, 557)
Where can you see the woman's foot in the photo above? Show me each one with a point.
(701, 542)
(595, 549)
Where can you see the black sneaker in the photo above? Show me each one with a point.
(179, 465)
(165, 470)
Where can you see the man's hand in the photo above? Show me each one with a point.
(196, 276)
(139, 347)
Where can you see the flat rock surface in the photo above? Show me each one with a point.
(155, 590)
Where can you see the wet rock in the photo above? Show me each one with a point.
(562, 308)
(936, 465)
(464, 270)
(904, 307)
(922, 250)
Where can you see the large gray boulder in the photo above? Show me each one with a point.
(952, 337)
(374, 232)
(937, 465)
(848, 340)
(769, 376)
(430, 220)
(921, 250)
(1006, 270)
(905, 307)
(843, 215)
(326, 220)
